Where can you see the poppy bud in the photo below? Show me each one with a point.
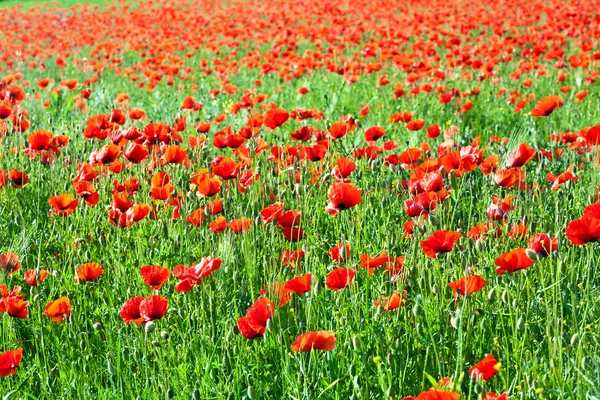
(454, 321)
(170, 393)
(562, 267)
(196, 394)
(164, 335)
(317, 288)
(356, 342)
(433, 220)
(418, 310)
(504, 296)
(583, 363)
(435, 289)
(150, 328)
(515, 303)
(531, 254)
(155, 343)
(251, 393)
(97, 326)
(492, 294)
(270, 324)
(479, 245)
(521, 324)
(574, 339)
(478, 388)
(420, 329)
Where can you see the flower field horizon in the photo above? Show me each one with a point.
(274, 199)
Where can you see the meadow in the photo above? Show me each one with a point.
(288, 200)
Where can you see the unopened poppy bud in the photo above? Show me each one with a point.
(170, 393)
(317, 288)
(54, 273)
(454, 321)
(479, 245)
(164, 335)
(97, 326)
(326, 176)
(155, 343)
(520, 324)
(150, 328)
(196, 394)
(562, 267)
(583, 363)
(504, 296)
(531, 254)
(492, 294)
(478, 388)
(356, 342)
(270, 324)
(251, 393)
(515, 303)
(433, 220)
(418, 310)
(435, 288)
(574, 339)
(420, 329)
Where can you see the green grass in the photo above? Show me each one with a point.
(540, 323)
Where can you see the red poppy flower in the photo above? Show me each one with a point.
(254, 323)
(175, 154)
(239, 225)
(293, 234)
(415, 125)
(9, 361)
(207, 185)
(225, 167)
(434, 394)
(218, 225)
(130, 311)
(33, 278)
(189, 277)
(153, 307)
(275, 117)
(271, 213)
(89, 271)
(546, 106)
(154, 275)
(494, 396)
(433, 131)
(343, 168)
(196, 217)
(58, 309)
(18, 178)
(15, 307)
(485, 369)
(374, 133)
(63, 204)
(9, 263)
(338, 130)
(342, 196)
(521, 156)
(390, 303)
(340, 278)
(136, 153)
(593, 210)
(320, 340)
(87, 191)
(439, 242)
(291, 258)
(583, 230)
(340, 252)
(299, 284)
(467, 285)
(543, 244)
(289, 218)
(513, 261)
